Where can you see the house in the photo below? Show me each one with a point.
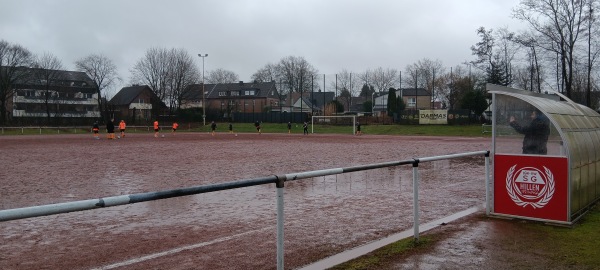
(320, 100)
(304, 105)
(415, 99)
(313, 102)
(65, 97)
(419, 99)
(226, 98)
(136, 104)
(352, 104)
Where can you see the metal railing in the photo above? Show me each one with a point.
(278, 180)
(73, 129)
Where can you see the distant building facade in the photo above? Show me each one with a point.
(136, 104)
(68, 98)
(221, 100)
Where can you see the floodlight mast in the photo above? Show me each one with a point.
(203, 99)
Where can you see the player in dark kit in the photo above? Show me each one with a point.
(110, 129)
(213, 127)
(257, 125)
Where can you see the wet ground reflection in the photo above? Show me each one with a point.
(323, 215)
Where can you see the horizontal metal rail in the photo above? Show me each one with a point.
(76, 129)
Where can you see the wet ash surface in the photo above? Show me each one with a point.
(233, 229)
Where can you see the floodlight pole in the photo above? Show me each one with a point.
(203, 100)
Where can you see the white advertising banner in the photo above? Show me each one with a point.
(433, 117)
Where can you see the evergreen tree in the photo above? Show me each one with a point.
(392, 105)
(367, 90)
(497, 74)
(474, 101)
(400, 105)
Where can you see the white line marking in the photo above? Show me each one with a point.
(179, 249)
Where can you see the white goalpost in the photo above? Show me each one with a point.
(341, 120)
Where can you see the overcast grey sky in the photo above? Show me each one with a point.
(245, 35)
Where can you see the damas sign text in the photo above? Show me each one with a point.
(433, 117)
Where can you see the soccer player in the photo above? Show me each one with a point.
(230, 127)
(110, 129)
(289, 127)
(122, 128)
(175, 126)
(95, 129)
(156, 128)
(257, 125)
(213, 127)
(305, 127)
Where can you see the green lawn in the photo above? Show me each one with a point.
(372, 129)
(429, 130)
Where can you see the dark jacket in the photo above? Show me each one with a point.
(536, 135)
(110, 127)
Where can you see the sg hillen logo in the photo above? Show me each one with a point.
(530, 186)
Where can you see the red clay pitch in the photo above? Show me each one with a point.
(232, 229)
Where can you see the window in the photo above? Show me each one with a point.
(235, 93)
(412, 102)
(140, 100)
(249, 93)
(222, 93)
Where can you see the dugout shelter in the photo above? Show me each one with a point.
(557, 184)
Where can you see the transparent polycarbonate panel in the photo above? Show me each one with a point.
(581, 121)
(574, 149)
(584, 142)
(597, 177)
(527, 135)
(575, 190)
(585, 185)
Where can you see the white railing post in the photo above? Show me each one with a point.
(416, 199)
(279, 185)
(487, 183)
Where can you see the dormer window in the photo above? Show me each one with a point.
(249, 93)
(222, 93)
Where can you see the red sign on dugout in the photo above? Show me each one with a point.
(531, 186)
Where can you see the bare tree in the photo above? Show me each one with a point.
(347, 81)
(12, 60)
(425, 74)
(103, 73)
(296, 73)
(560, 24)
(167, 72)
(593, 49)
(47, 72)
(532, 79)
(153, 70)
(384, 79)
(266, 74)
(222, 76)
(183, 73)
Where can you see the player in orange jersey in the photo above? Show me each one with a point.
(156, 128)
(175, 126)
(95, 130)
(122, 128)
